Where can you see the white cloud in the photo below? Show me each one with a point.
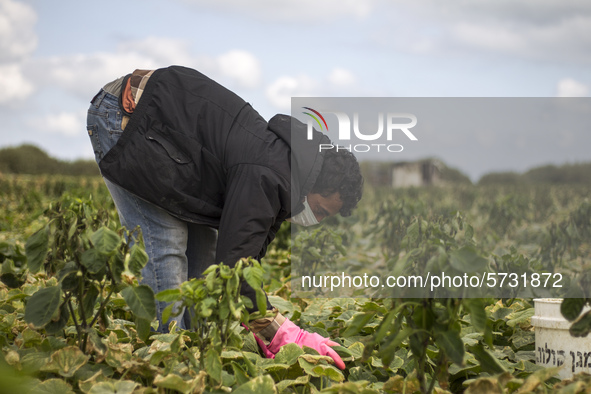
(160, 50)
(284, 88)
(241, 66)
(554, 31)
(13, 84)
(69, 124)
(338, 82)
(298, 11)
(17, 34)
(84, 74)
(568, 87)
(341, 77)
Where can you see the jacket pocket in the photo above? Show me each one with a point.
(163, 139)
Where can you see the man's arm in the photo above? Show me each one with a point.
(255, 200)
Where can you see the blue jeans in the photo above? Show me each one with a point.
(177, 250)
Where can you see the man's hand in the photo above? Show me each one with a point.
(290, 333)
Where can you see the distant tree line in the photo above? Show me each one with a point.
(29, 159)
(551, 174)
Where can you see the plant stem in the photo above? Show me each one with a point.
(78, 329)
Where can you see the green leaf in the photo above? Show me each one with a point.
(358, 322)
(239, 373)
(166, 313)
(175, 382)
(170, 295)
(582, 326)
(68, 276)
(261, 301)
(488, 363)
(42, 306)
(260, 384)
(114, 387)
(253, 276)
(105, 240)
(66, 361)
(571, 308)
(53, 386)
(137, 260)
(451, 344)
(142, 327)
(56, 325)
(467, 259)
(36, 249)
(89, 300)
(387, 352)
(516, 318)
(477, 313)
(93, 260)
(288, 354)
(140, 300)
(213, 364)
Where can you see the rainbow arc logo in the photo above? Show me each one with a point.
(315, 118)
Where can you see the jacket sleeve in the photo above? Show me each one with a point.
(254, 207)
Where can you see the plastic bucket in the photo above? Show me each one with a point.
(555, 346)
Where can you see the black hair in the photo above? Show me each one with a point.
(340, 173)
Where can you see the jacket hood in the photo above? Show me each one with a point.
(306, 158)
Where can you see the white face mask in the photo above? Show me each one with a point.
(306, 217)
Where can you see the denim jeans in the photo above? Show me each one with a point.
(177, 250)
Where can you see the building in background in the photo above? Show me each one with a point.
(417, 173)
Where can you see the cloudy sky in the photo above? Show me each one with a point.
(55, 55)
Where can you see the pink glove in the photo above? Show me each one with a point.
(290, 333)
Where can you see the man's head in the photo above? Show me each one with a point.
(339, 186)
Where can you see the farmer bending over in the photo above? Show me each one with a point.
(208, 180)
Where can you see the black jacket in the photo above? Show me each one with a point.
(206, 156)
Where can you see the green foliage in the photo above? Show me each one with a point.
(90, 262)
(216, 308)
(77, 321)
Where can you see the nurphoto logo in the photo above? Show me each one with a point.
(394, 124)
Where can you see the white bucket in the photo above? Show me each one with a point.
(555, 346)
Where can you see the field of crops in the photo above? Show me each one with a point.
(73, 317)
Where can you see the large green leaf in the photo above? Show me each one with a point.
(42, 306)
(253, 276)
(140, 300)
(452, 345)
(213, 364)
(260, 384)
(93, 260)
(36, 249)
(288, 354)
(175, 382)
(105, 240)
(66, 361)
(57, 325)
(114, 387)
(142, 327)
(53, 386)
